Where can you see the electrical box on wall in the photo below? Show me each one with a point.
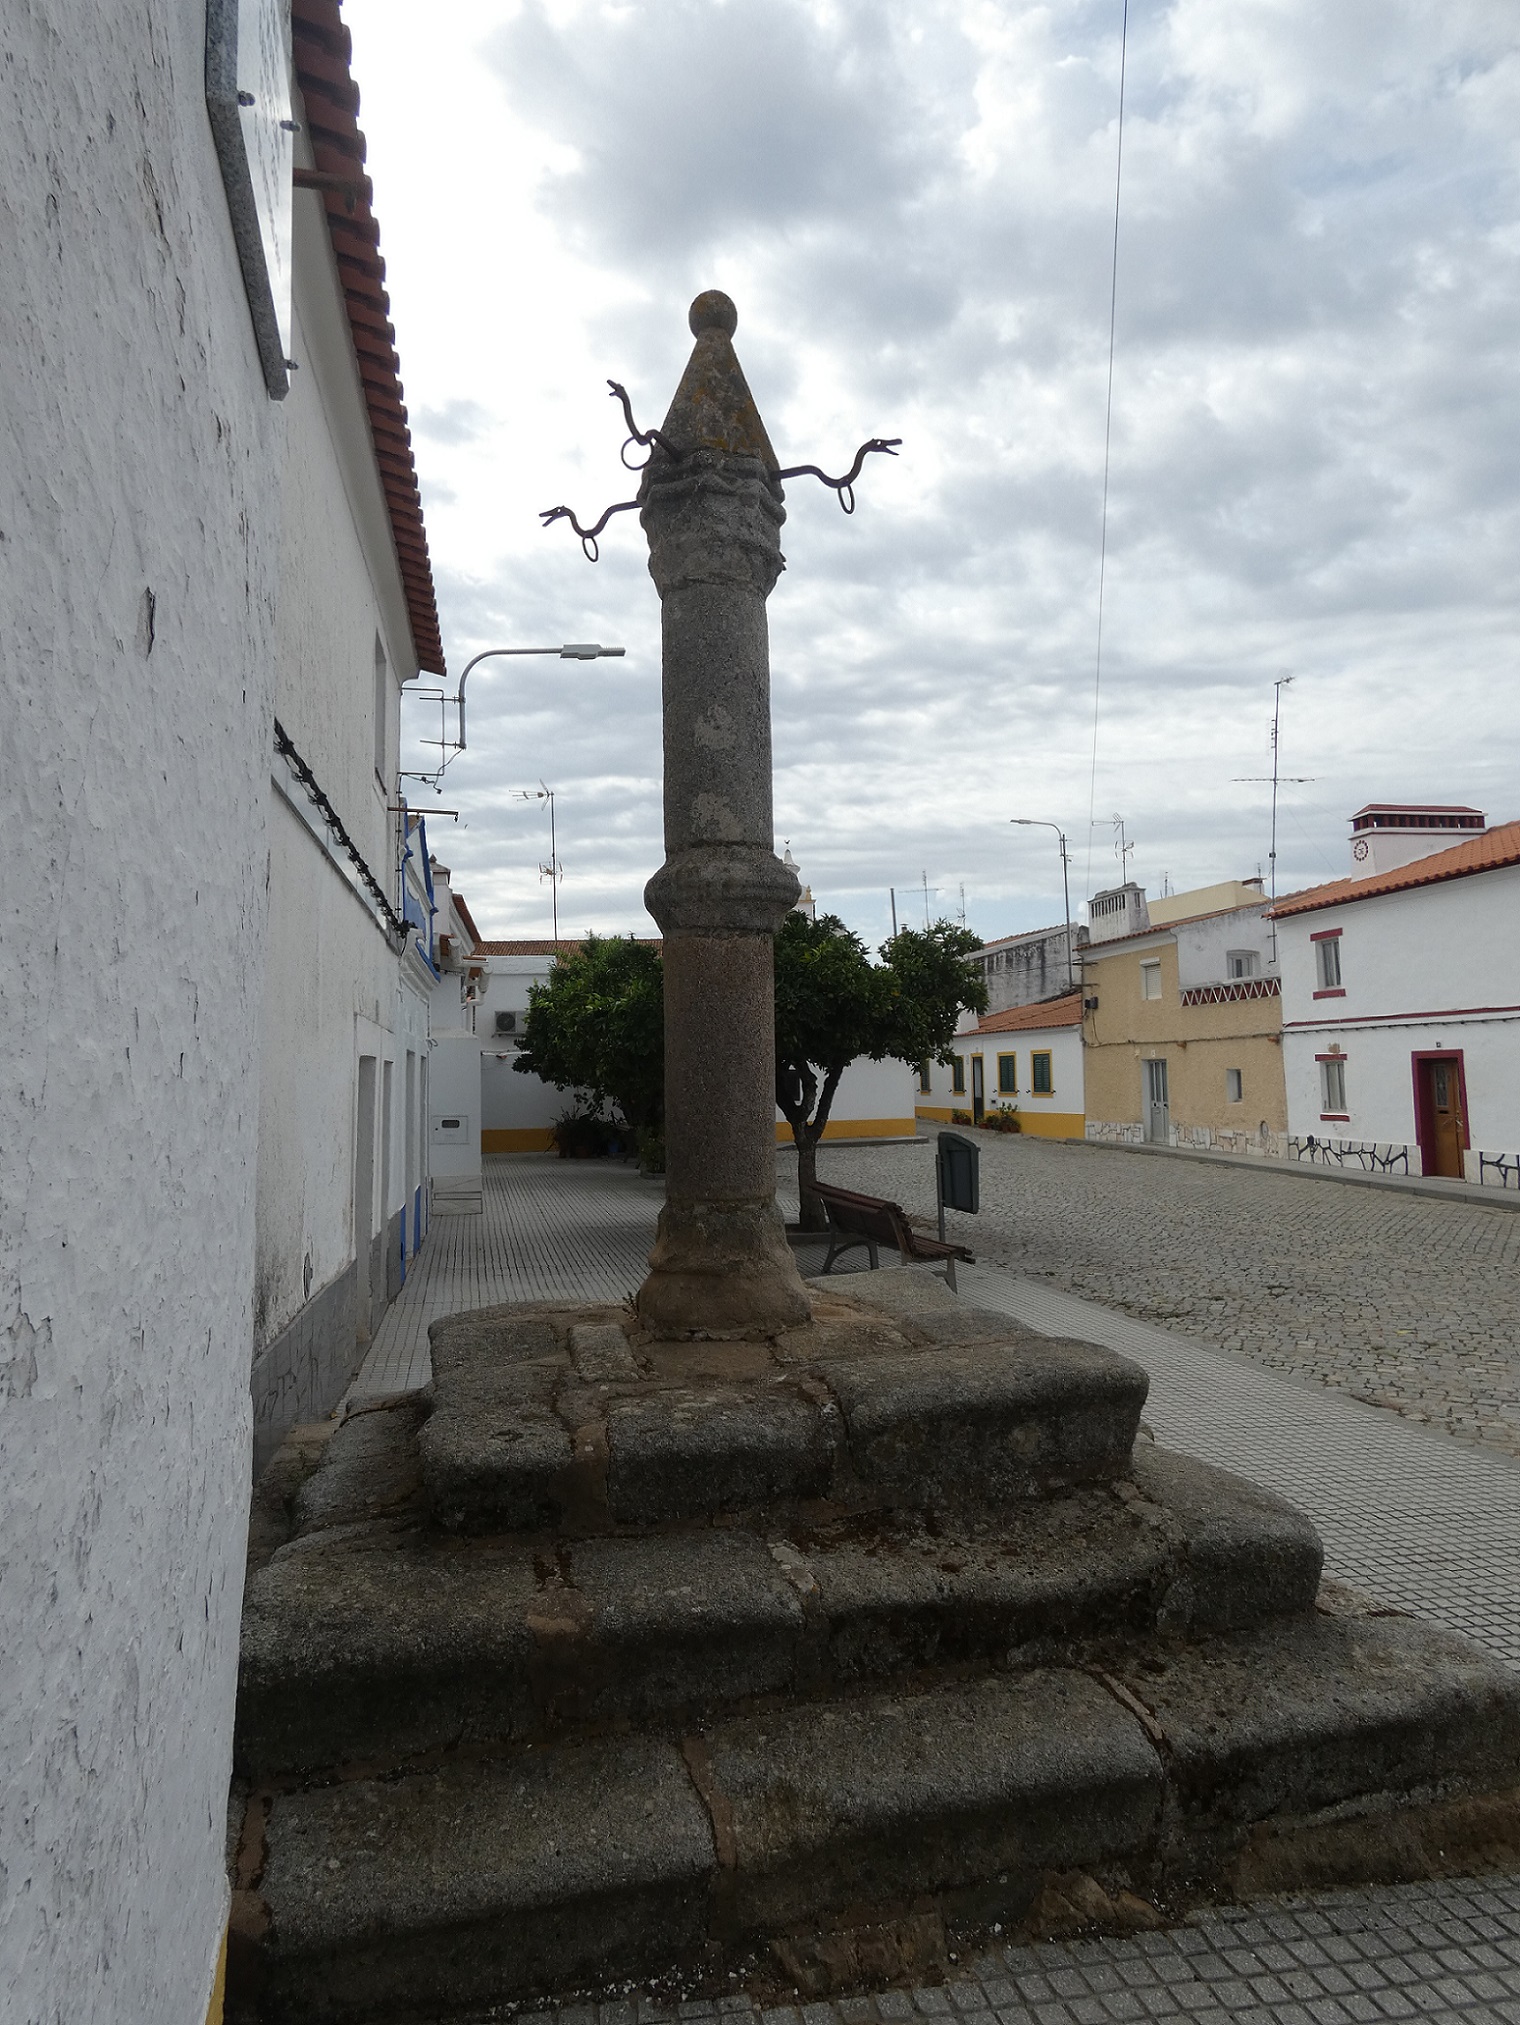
(451, 1128)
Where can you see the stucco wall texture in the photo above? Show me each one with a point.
(138, 543)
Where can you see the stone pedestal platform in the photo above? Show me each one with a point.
(616, 1657)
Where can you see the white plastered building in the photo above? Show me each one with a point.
(1401, 1011)
(344, 1133)
(147, 412)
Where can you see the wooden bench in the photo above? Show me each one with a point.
(872, 1221)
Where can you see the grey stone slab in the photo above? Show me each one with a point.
(988, 1423)
(481, 1882)
(351, 1655)
(676, 1621)
(1242, 1553)
(601, 1354)
(369, 1470)
(891, 1795)
(1309, 1713)
(684, 1452)
(495, 1454)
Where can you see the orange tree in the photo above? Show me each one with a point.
(833, 1006)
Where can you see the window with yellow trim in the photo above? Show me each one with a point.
(1041, 1082)
(1008, 1079)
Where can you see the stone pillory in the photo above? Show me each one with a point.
(710, 503)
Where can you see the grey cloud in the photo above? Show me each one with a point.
(1315, 410)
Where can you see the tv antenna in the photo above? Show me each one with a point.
(1122, 849)
(1277, 779)
(553, 871)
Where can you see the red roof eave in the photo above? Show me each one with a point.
(323, 52)
(1490, 852)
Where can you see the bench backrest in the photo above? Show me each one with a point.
(864, 1215)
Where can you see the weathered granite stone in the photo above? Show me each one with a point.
(685, 1452)
(495, 1453)
(688, 1620)
(368, 1469)
(878, 1800)
(1240, 1554)
(480, 1881)
(349, 1655)
(990, 1422)
(711, 507)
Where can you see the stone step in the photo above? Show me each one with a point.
(1313, 1749)
(576, 1420)
(375, 1642)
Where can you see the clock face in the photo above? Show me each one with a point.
(1359, 849)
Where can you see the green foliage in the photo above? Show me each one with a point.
(834, 1005)
(598, 1026)
(931, 984)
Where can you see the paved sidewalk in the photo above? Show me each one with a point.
(1417, 1520)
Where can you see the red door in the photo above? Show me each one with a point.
(1440, 1102)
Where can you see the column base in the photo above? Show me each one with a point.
(722, 1269)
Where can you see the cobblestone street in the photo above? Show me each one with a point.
(1400, 1300)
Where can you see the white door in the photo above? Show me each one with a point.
(1158, 1113)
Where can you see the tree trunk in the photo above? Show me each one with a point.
(812, 1216)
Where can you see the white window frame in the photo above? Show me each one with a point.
(1327, 963)
(1150, 973)
(1243, 962)
(1234, 1086)
(1332, 1087)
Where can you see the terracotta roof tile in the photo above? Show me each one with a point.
(331, 99)
(1065, 1011)
(1486, 853)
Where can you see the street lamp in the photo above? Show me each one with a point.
(574, 651)
(1039, 823)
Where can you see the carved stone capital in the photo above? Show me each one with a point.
(721, 889)
(713, 518)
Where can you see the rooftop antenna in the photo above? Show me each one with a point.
(553, 871)
(892, 895)
(963, 903)
(1122, 849)
(1277, 779)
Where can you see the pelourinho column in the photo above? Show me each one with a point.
(711, 506)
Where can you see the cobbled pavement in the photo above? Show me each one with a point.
(1401, 1300)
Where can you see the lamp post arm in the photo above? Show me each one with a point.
(589, 651)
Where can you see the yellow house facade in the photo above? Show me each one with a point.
(1182, 1030)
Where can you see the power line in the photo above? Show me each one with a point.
(1108, 424)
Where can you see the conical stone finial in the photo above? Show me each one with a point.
(713, 407)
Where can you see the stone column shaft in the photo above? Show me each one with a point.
(721, 1264)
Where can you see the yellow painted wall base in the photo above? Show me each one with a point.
(517, 1139)
(855, 1128)
(218, 1986)
(1053, 1124)
(1033, 1124)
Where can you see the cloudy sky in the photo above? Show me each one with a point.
(1314, 464)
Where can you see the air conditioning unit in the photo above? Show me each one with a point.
(506, 1023)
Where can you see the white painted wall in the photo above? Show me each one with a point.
(139, 503)
(1203, 947)
(1434, 967)
(337, 993)
(874, 1101)
(1064, 1045)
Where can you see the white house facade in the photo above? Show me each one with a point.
(348, 979)
(1401, 1015)
(1027, 1060)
